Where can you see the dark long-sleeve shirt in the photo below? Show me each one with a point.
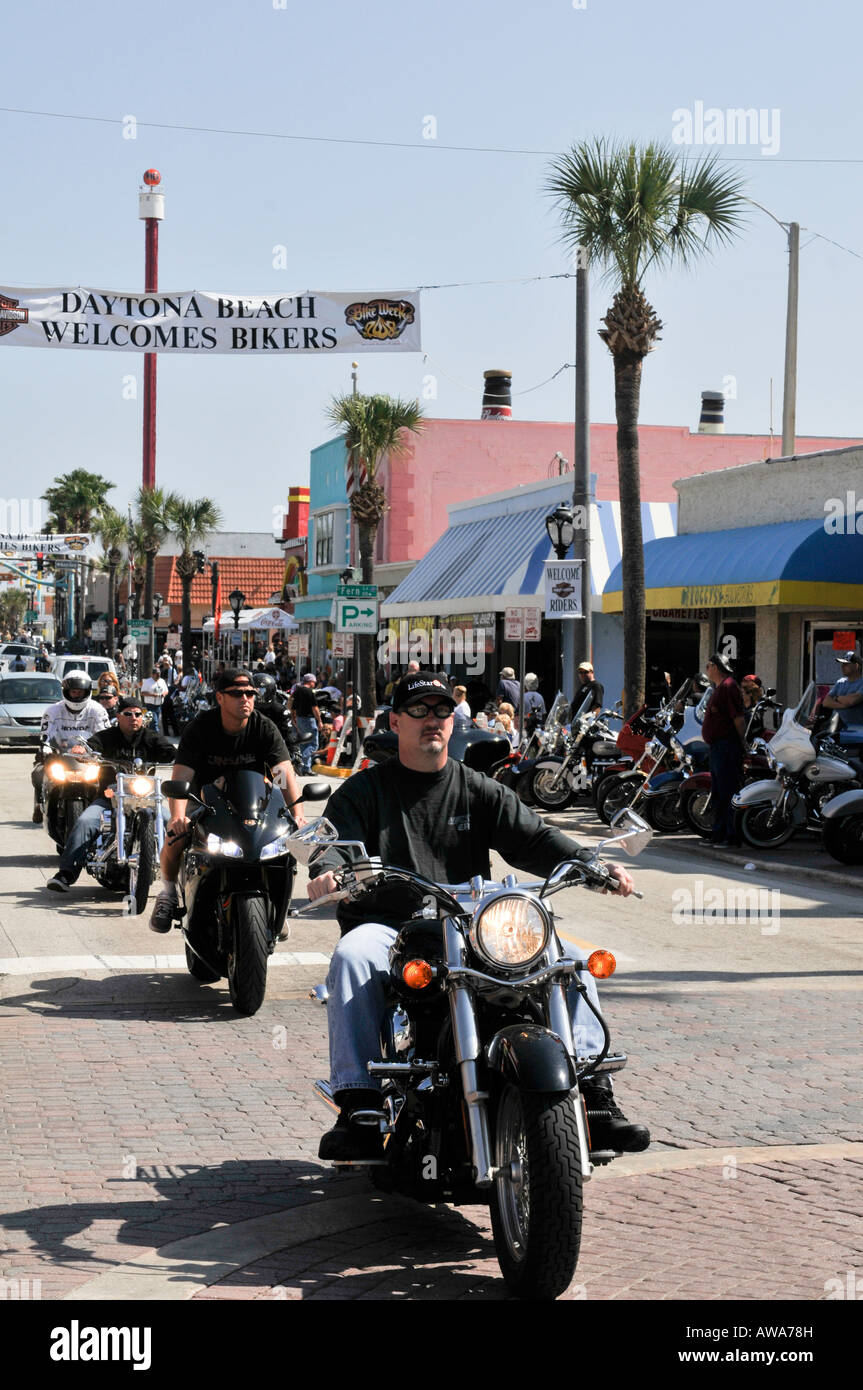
(442, 825)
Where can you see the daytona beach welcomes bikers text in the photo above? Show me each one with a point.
(190, 335)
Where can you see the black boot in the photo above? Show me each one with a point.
(609, 1127)
(353, 1143)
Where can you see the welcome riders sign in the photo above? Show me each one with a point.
(199, 322)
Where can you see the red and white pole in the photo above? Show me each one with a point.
(151, 209)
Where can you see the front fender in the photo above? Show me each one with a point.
(531, 1058)
(697, 781)
(845, 804)
(664, 784)
(758, 794)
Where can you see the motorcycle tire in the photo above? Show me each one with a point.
(540, 791)
(141, 878)
(664, 813)
(843, 839)
(247, 958)
(615, 794)
(751, 825)
(536, 1221)
(74, 809)
(698, 810)
(199, 970)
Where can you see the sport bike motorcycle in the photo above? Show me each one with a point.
(481, 1099)
(69, 784)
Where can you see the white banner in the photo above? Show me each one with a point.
(28, 547)
(563, 589)
(200, 321)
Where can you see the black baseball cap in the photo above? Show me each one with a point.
(420, 685)
(849, 656)
(228, 678)
(129, 702)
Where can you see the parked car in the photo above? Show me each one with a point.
(24, 697)
(95, 666)
(10, 650)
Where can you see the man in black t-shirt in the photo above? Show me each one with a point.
(233, 735)
(588, 685)
(307, 717)
(425, 812)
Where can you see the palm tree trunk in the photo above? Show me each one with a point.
(627, 391)
(112, 609)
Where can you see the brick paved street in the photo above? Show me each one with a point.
(159, 1146)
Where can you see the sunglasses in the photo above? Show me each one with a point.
(423, 711)
(133, 713)
(238, 691)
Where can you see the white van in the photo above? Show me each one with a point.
(93, 665)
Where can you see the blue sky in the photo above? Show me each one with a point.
(362, 216)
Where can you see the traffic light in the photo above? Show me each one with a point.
(200, 560)
(40, 561)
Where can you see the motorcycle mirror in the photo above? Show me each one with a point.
(770, 691)
(637, 834)
(312, 838)
(176, 790)
(316, 791)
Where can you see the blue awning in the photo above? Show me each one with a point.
(491, 561)
(789, 562)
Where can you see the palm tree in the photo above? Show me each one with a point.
(191, 522)
(113, 528)
(151, 507)
(631, 208)
(374, 427)
(74, 499)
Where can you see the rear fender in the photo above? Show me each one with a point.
(759, 794)
(845, 804)
(531, 1058)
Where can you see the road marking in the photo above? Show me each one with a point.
(42, 965)
(674, 1160)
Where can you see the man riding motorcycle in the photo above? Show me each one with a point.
(233, 735)
(425, 812)
(67, 725)
(123, 744)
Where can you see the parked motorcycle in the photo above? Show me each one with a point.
(542, 740)
(695, 789)
(806, 777)
(842, 819)
(557, 779)
(236, 879)
(480, 1079)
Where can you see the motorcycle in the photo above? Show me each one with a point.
(842, 819)
(69, 784)
(480, 1079)
(695, 789)
(806, 778)
(557, 780)
(236, 879)
(625, 787)
(125, 854)
(542, 739)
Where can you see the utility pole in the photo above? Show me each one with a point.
(151, 210)
(789, 393)
(581, 478)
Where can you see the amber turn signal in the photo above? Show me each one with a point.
(601, 964)
(417, 974)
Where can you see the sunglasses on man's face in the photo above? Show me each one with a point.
(424, 711)
(238, 691)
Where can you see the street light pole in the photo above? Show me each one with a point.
(789, 391)
(581, 476)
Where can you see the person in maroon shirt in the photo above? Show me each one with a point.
(723, 732)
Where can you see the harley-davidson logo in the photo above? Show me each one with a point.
(380, 319)
(10, 315)
(563, 590)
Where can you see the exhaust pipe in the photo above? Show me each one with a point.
(324, 1091)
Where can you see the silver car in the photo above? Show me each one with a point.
(24, 698)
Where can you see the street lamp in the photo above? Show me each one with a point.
(560, 526)
(236, 600)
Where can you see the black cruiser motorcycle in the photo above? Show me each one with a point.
(236, 879)
(480, 1098)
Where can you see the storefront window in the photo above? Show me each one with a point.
(822, 643)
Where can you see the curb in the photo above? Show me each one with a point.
(704, 850)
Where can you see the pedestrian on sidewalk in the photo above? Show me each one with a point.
(723, 731)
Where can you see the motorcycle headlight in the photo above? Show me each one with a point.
(139, 786)
(279, 846)
(56, 771)
(91, 773)
(510, 931)
(216, 845)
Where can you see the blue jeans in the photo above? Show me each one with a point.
(308, 731)
(83, 832)
(726, 778)
(357, 984)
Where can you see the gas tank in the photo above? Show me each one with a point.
(605, 748)
(830, 770)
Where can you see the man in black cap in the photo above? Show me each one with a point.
(425, 812)
(233, 735)
(122, 743)
(847, 696)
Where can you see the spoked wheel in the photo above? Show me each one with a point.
(752, 825)
(142, 874)
(698, 810)
(665, 813)
(536, 1201)
(615, 794)
(247, 959)
(540, 788)
(843, 839)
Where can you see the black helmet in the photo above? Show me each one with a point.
(77, 688)
(265, 686)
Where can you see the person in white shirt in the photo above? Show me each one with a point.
(462, 718)
(67, 725)
(154, 691)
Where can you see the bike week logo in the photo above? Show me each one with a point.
(11, 315)
(380, 319)
(442, 646)
(726, 906)
(735, 126)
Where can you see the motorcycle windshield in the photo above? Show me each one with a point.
(807, 703)
(557, 715)
(246, 793)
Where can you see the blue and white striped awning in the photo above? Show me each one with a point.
(495, 562)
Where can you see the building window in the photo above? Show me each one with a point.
(324, 539)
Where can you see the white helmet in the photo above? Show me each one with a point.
(77, 689)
